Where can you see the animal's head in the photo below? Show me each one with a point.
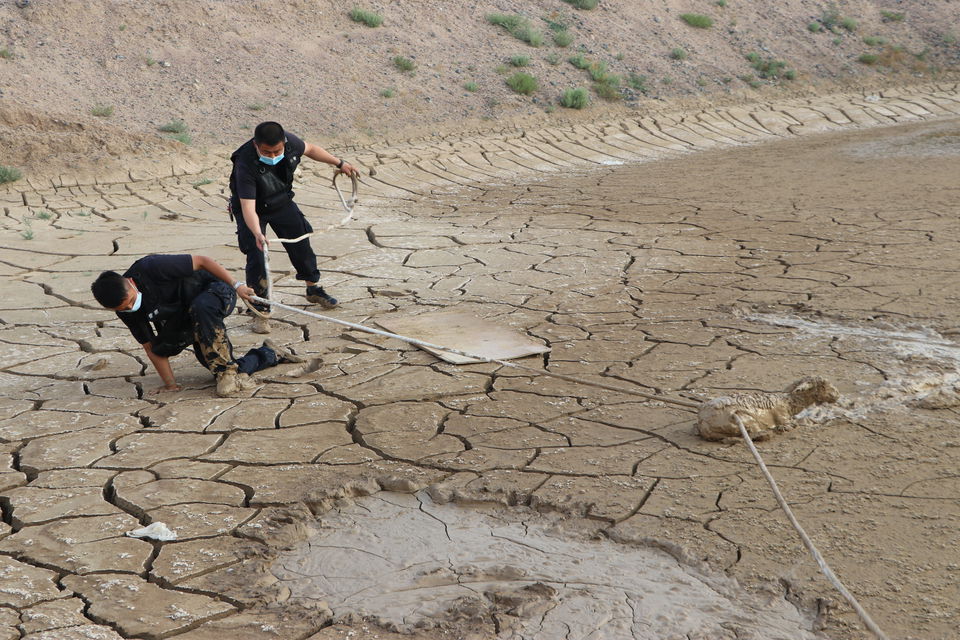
(814, 390)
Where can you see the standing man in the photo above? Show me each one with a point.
(261, 193)
(171, 302)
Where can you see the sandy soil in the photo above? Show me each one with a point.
(221, 67)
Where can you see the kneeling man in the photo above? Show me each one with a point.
(172, 301)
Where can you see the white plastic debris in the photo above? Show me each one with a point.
(155, 531)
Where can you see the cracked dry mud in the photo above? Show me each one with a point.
(741, 267)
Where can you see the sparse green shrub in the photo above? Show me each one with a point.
(183, 138)
(502, 69)
(868, 58)
(790, 74)
(201, 182)
(519, 61)
(637, 82)
(562, 38)
(174, 126)
(44, 215)
(368, 18)
(256, 106)
(404, 64)
(608, 90)
(522, 83)
(387, 93)
(518, 26)
(815, 27)
(27, 233)
(553, 58)
(830, 18)
(697, 20)
(678, 53)
(5, 53)
(892, 16)
(769, 68)
(574, 98)
(949, 38)
(102, 111)
(721, 3)
(584, 5)
(667, 80)
(837, 40)
(150, 61)
(579, 61)
(470, 86)
(701, 82)
(849, 24)
(874, 41)
(598, 71)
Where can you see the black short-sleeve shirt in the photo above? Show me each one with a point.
(246, 165)
(158, 278)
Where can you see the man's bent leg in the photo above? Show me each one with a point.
(291, 223)
(207, 312)
(257, 360)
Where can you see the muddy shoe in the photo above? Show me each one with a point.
(246, 382)
(260, 325)
(317, 295)
(227, 384)
(283, 354)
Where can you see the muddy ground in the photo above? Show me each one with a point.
(666, 256)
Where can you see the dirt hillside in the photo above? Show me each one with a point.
(220, 67)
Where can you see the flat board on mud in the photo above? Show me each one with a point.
(465, 332)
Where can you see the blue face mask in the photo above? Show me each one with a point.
(271, 161)
(136, 304)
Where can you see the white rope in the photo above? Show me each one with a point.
(428, 345)
(348, 206)
(808, 543)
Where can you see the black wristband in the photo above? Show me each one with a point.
(340, 164)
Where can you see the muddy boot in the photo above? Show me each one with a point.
(317, 295)
(283, 354)
(227, 384)
(230, 383)
(246, 382)
(260, 325)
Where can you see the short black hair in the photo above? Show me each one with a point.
(268, 133)
(110, 289)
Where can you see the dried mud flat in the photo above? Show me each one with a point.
(743, 266)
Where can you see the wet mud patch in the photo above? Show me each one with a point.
(937, 140)
(921, 366)
(407, 563)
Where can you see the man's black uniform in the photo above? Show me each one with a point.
(271, 186)
(181, 307)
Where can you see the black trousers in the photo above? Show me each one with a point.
(289, 222)
(211, 344)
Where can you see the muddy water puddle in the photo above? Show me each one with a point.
(407, 562)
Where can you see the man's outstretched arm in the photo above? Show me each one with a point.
(315, 152)
(217, 270)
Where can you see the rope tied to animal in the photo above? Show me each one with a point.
(807, 542)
